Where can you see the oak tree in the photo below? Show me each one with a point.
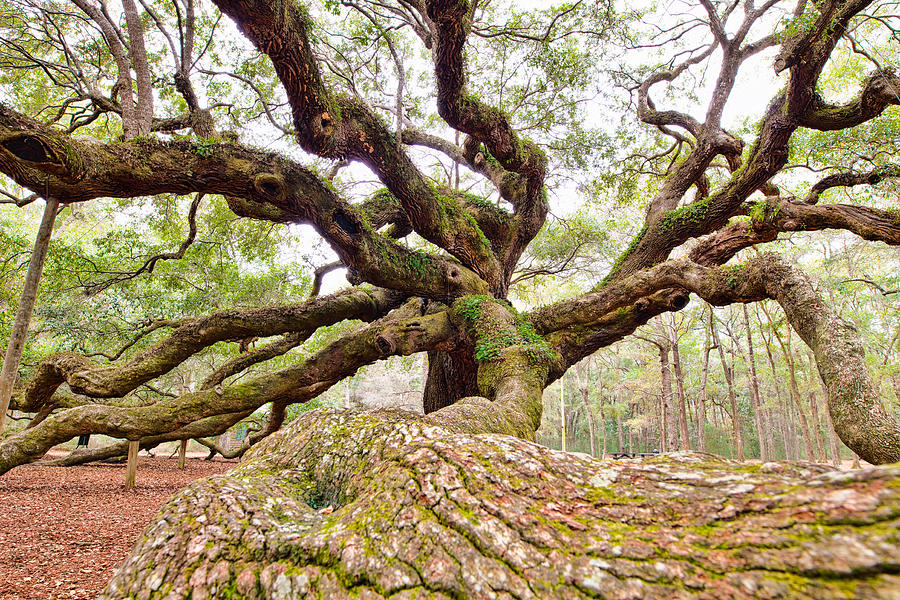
(432, 267)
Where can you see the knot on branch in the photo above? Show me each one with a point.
(326, 125)
(45, 153)
(679, 300)
(884, 87)
(270, 185)
(385, 345)
(353, 276)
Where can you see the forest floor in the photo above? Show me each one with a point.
(64, 531)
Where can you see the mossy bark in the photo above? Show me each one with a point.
(386, 504)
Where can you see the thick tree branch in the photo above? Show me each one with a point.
(341, 128)
(240, 363)
(257, 184)
(396, 334)
(319, 274)
(805, 55)
(210, 426)
(880, 91)
(85, 377)
(854, 403)
(114, 40)
(487, 125)
(873, 177)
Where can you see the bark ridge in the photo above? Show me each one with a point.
(386, 504)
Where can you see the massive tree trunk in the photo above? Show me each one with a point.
(385, 504)
(451, 376)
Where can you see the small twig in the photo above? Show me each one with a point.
(158, 391)
(150, 263)
(878, 287)
(319, 275)
(150, 329)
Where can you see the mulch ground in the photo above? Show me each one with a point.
(65, 530)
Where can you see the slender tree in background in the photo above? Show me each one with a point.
(755, 402)
(583, 374)
(683, 435)
(829, 427)
(701, 401)
(728, 371)
(26, 306)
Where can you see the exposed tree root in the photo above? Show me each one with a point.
(384, 504)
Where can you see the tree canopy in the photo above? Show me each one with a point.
(468, 116)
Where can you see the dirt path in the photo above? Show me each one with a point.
(63, 531)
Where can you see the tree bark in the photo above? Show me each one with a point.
(26, 307)
(411, 510)
(131, 465)
(182, 451)
(451, 376)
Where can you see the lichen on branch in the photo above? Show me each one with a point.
(384, 504)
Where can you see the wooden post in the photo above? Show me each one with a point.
(131, 468)
(182, 450)
(562, 408)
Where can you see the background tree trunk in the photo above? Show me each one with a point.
(26, 307)
(755, 402)
(729, 381)
(701, 401)
(817, 428)
(668, 433)
(829, 426)
(798, 401)
(583, 372)
(683, 435)
(419, 512)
